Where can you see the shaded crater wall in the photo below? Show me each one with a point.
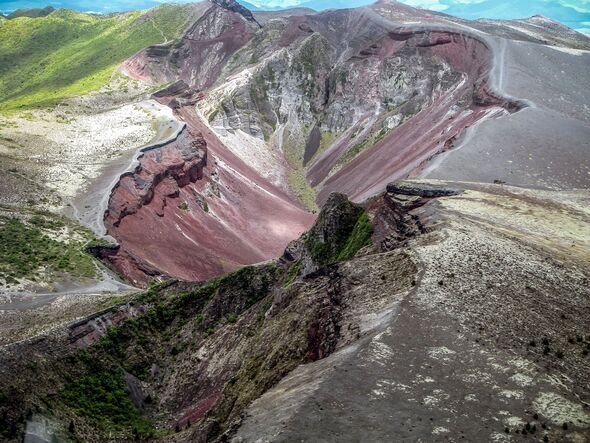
(434, 129)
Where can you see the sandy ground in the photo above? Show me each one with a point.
(546, 145)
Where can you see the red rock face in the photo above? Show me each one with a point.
(193, 211)
(160, 175)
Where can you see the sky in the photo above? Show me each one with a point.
(574, 13)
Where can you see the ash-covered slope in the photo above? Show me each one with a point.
(437, 310)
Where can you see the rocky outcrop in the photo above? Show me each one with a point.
(177, 95)
(328, 237)
(88, 331)
(416, 189)
(156, 182)
(161, 172)
(234, 6)
(404, 213)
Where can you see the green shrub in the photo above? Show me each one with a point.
(103, 397)
(292, 273)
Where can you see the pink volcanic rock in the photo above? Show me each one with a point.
(193, 210)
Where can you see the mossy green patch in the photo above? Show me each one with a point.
(359, 238)
(212, 116)
(329, 243)
(292, 273)
(293, 150)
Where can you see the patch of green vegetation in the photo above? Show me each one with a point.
(251, 283)
(183, 206)
(302, 189)
(292, 273)
(46, 223)
(67, 53)
(368, 141)
(293, 150)
(103, 397)
(344, 243)
(326, 139)
(359, 238)
(212, 116)
(99, 394)
(25, 248)
(7, 124)
(97, 243)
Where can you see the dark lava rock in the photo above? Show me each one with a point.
(234, 6)
(426, 190)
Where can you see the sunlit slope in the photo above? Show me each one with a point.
(43, 60)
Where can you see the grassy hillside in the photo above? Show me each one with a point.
(43, 60)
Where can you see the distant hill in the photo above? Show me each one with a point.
(33, 12)
(65, 53)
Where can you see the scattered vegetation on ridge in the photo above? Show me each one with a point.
(328, 243)
(359, 238)
(39, 246)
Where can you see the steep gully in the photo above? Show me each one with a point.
(193, 210)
